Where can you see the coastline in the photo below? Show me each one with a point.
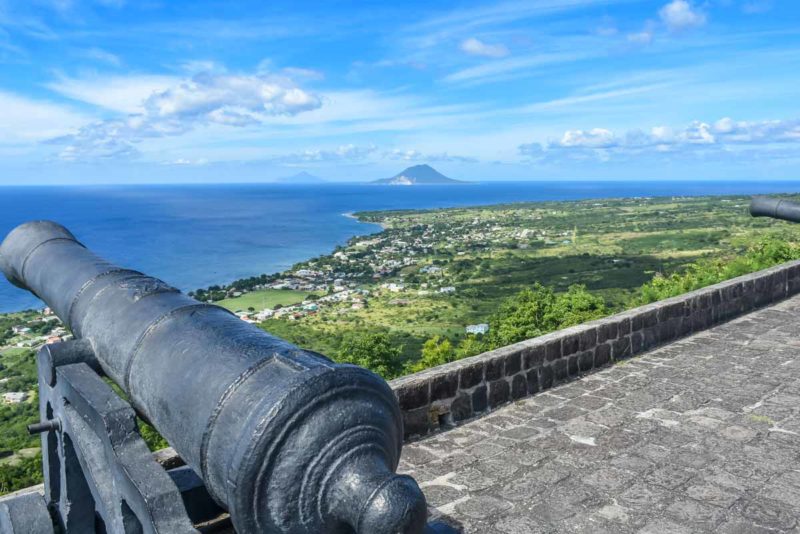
(267, 229)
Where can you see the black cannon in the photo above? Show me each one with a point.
(776, 208)
(284, 439)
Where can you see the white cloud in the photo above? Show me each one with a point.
(504, 68)
(645, 36)
(571, 101)
(125, 94)
(206, 99)
(24, 120)
(103, 56)
(723, 135)
(342, 153)
(417, 155)
(594, 138)
(680, 15)
(476, 47)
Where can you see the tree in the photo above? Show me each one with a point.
(436, 351)
(375, 351)
(539, 310)
(470, 346)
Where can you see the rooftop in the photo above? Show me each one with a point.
(700, 435)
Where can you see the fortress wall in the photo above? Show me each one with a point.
(449, 394)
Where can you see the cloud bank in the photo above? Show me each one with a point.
(723, 135)
(205, 99)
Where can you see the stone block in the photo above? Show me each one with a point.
(602, 354)
(587, 339)
(413, 395)
(552, 350)
(416, 422)
(499, 392)
(461, 408)
(519, 386)
(533, 381)
(621, 348)
(546, 377)
(444, 385)
(572, 365)
(569, 344)
(513, 363)
(495, 368)
(586, 360)
(560, 369)
(533, 356)
(637, 340)
(480, 399)
(471, 375)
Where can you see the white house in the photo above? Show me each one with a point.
(14, 397)
(394, 288)
(477, 329)
(447, 289)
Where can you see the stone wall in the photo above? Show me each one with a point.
(448, 394)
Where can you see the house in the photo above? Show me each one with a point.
(20, 329)
(14, 397)
(447, 289)
(478, 329)
(394, 288)
(52, 339)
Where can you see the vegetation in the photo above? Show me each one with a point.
(258, 300)
(399, 301)
(763, 254)
(25, 472)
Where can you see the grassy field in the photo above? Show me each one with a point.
(258, 300)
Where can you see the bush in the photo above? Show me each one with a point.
(21, 474)
(761, 255)
(375, 351)
(436, 351)
(539, 310)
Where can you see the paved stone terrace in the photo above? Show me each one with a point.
(701, 435)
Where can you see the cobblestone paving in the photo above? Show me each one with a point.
(702, 435)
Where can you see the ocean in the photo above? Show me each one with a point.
(194, 236)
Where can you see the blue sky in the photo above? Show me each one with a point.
(115, 91)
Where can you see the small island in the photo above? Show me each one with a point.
(301, 178)
(419, 175)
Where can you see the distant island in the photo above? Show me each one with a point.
(418, 175)
(301, 178)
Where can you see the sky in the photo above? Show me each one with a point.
(148, 91)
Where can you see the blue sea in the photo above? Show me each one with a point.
(194, 236)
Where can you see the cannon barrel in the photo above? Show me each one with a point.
(284, 439)
(776, 208)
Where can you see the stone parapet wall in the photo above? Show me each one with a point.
(451, 393)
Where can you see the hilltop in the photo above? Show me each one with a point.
(418, 175)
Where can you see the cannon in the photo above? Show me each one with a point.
(284, 439)
(775, 208)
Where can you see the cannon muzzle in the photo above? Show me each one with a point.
(777, 208)
(284, 439)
